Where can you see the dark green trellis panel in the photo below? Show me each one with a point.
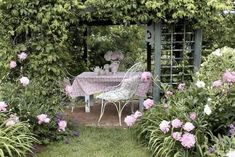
(177, 53)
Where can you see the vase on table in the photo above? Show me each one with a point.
(114, 66)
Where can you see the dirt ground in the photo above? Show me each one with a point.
(109, 119)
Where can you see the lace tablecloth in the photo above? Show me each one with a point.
(89, 83)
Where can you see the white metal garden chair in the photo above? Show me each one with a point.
(122, 93)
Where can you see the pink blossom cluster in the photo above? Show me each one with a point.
(43, 118)
(148, 103)
(131, 119)
(62, 124)
(3, 106)
(22, 56)
(184, 136)
(168, 94)
(113, 56)
(12, 120)
(68, 90)
(146, 76)
(228, 77)
(181, 86)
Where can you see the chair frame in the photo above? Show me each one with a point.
(135, 69)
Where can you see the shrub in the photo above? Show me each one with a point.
(16, 140)
(207, 105)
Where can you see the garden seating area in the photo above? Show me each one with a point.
(120, 78)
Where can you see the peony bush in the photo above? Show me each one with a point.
(188, 120)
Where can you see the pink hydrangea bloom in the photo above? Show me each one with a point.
(188, 126)
(137, 114)
(12, 64)
(181, 86)
(148, 103)
(168, 94)
(146, 76)
(3, 106)
(193, 115)
(229, 77)
(217, 83)
(188, 140)
(177, 135)
(24, 81)
(62, 125)
(130, 120)
(165, 126)
(176, 123)
(68, 90)
(22, 56)
(42, 118)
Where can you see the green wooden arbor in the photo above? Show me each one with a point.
(177, 53)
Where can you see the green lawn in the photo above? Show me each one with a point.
(97, 142)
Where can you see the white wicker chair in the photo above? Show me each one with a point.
(122, 92)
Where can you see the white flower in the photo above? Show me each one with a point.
(24, 81)
(217, 52)
(209, 99)
(207, 110)
(200, 84)
(231, 154)
(188, 126)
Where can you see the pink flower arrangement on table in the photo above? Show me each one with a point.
(183, 134)
(131, 119)
(113, 56)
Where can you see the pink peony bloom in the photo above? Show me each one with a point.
(3, 106)
(217, 83)
(229, 77)
(42, 118)
(10, 123)
(193, 115)
(24, 81)
(188, 126)
(177, 135)
(168, 94)
(165, 126)
(12, 120)
(68, 90)
(146, 76)
(130, 120)
(137, 114)
(148, 103)
(62, 125)
(12, 64)
(188, 140)
(181, 86)
(176, 123)
(22, 56)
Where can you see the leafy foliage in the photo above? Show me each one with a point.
(193, 100)
(16, 140)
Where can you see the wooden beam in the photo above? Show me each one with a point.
(157, 61)
(197, 49)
